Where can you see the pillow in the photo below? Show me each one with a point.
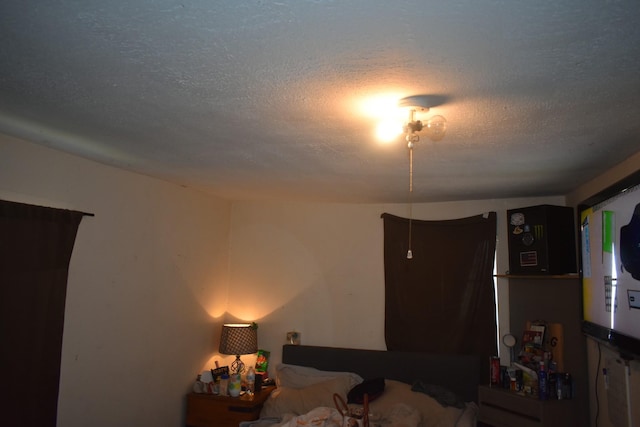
(295, 376)
(373, 388)
(299, 401)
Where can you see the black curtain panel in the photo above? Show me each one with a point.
(35, 250)
(443, 299)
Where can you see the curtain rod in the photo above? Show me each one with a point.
(47, 207)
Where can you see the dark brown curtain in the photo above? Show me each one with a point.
(442, 300)
(35, 250)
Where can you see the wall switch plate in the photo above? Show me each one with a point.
(634, 298)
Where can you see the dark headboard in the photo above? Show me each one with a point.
(458, 373)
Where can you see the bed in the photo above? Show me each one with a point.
(420, 390)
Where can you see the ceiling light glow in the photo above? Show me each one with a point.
(380, 107)
(388, 130)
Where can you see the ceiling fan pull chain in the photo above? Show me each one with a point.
(410, 144)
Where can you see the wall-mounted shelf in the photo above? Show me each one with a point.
(538, 276)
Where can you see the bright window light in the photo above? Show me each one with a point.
(495, 295)
(614, 286)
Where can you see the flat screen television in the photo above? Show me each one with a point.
(610, 265)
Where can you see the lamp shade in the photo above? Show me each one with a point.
(239, 338)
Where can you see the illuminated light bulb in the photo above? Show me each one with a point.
(436, 128)
(388, 130)
(409, 254)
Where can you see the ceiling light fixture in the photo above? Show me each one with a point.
(435, 129)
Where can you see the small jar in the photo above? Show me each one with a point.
(234, 385)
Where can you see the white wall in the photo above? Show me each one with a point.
(148, 278)
(318, 268)
(146, 290)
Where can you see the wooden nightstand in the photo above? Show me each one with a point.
(210, 410)
(503, 408)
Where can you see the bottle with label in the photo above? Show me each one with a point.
(542, 383)
(251, 380)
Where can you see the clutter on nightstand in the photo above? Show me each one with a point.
(538, 369)
(531, 391)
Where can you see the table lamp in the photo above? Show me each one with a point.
(238, 339)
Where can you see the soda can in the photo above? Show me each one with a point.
(494, 370)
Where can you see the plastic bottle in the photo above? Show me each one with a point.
(224, 385)
(251, 380)
(543, 393)
(198, 386)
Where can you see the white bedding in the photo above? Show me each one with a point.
(305, 397)
(401, 416)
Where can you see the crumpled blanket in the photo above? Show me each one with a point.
(318, 417)
(400, 415)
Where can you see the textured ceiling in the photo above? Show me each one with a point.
(263, 99)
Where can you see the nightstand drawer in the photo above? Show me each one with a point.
(499, 417)
(206, 410)
(527, 407)
(502, 408)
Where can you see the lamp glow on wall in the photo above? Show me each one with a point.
(239, 339)
(391, 128)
